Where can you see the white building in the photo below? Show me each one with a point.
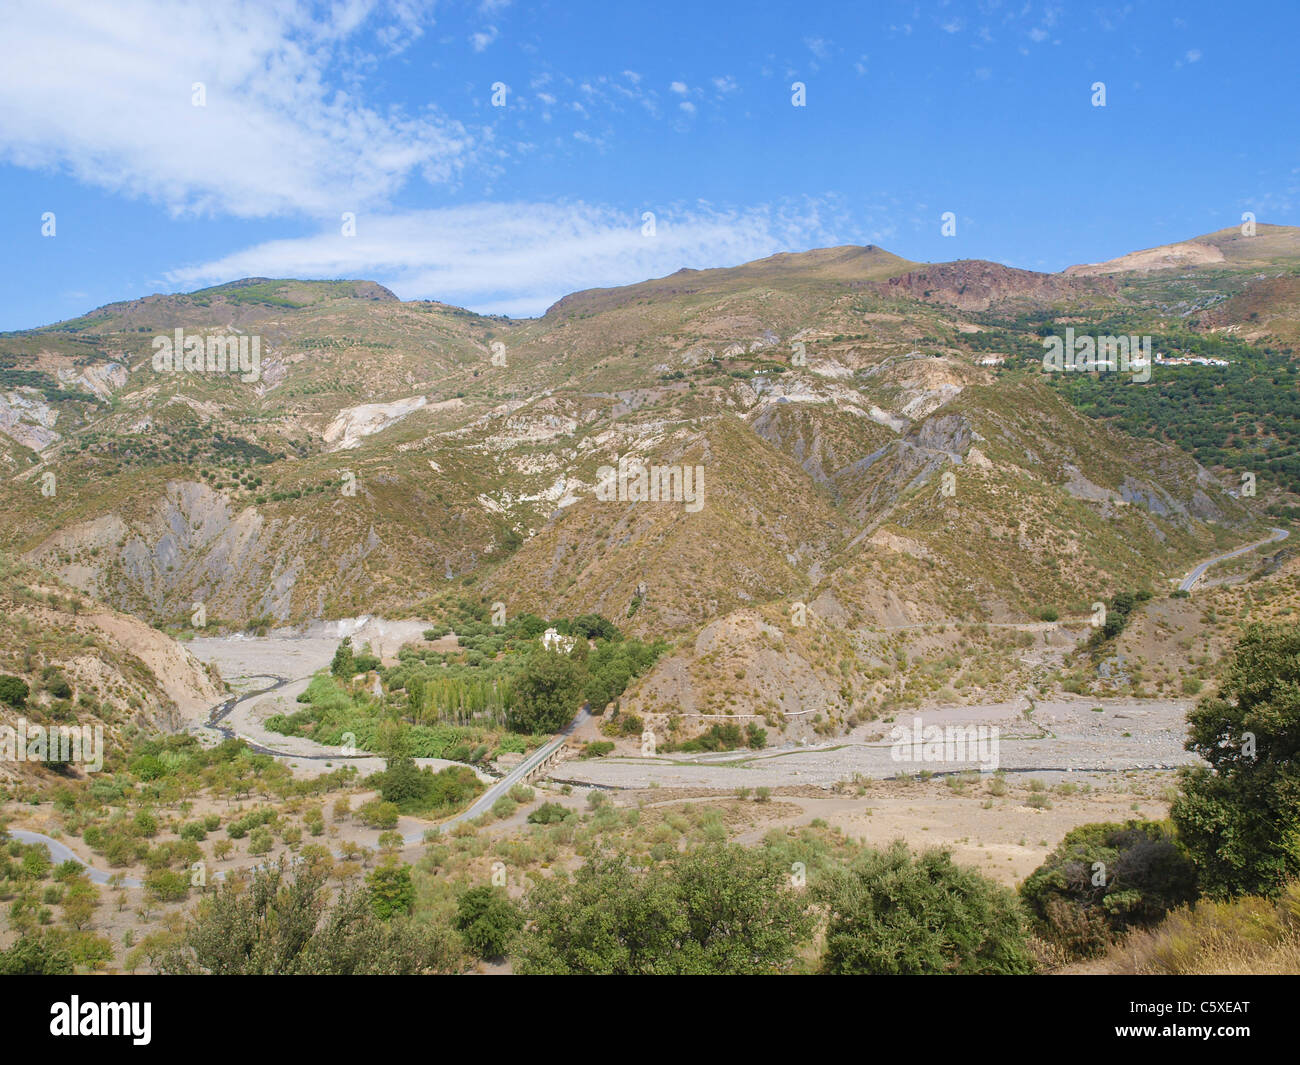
(553, 641)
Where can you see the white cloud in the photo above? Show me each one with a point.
(483, 38)
(687, 106)
(519, 258)
(104, 92)
(1193, 55)
(818, 46)
(678, 87)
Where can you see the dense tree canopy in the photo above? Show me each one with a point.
(1240, 817)
(723, 909)
(892, 914)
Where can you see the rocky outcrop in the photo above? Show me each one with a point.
(975, 285)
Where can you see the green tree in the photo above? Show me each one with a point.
(391, 890)
(402, 781)
(488, 921)
(716, 909)
(1240, 817)
(547, 692)
(892, 914)
(35, 955)
(343, 665)
(14, 691)
(167, 885)
(1103, 879)
(273, 925)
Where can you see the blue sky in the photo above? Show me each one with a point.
(613, 109)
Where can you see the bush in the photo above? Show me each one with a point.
(1247, 935)
(402, 781)
(391, 890)
(274, 926)
(166, 885)
(14, 691)
(1103, 879)
(892, 914)
(379, 814)
(413, 790)
(548, 813)
(488, 921)
(260, 841)
(715, 909)
(35, 955)
(57, 685)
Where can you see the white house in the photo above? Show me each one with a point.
(553, 641)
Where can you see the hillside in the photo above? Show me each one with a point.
(84, 663)
(876, 439)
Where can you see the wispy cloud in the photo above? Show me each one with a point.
(519, 258)
(483, 38)
(104, 92)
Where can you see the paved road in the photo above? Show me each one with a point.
(1190, 580)
(60, 852)
(502, 787)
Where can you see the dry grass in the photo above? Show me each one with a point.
(1249, 935)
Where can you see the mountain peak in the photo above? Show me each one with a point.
(1225, 248)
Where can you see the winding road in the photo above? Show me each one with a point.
(61, 852)
(1190, 580)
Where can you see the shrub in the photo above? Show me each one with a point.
(14, 691)
(391, 890)
(167, 885)
(1249, 934)
(282, 927)
(715, 909)
(890, 913)
(548, 813)
(35, 955)
(1103, 879)
(379, 814)
(488, 921)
